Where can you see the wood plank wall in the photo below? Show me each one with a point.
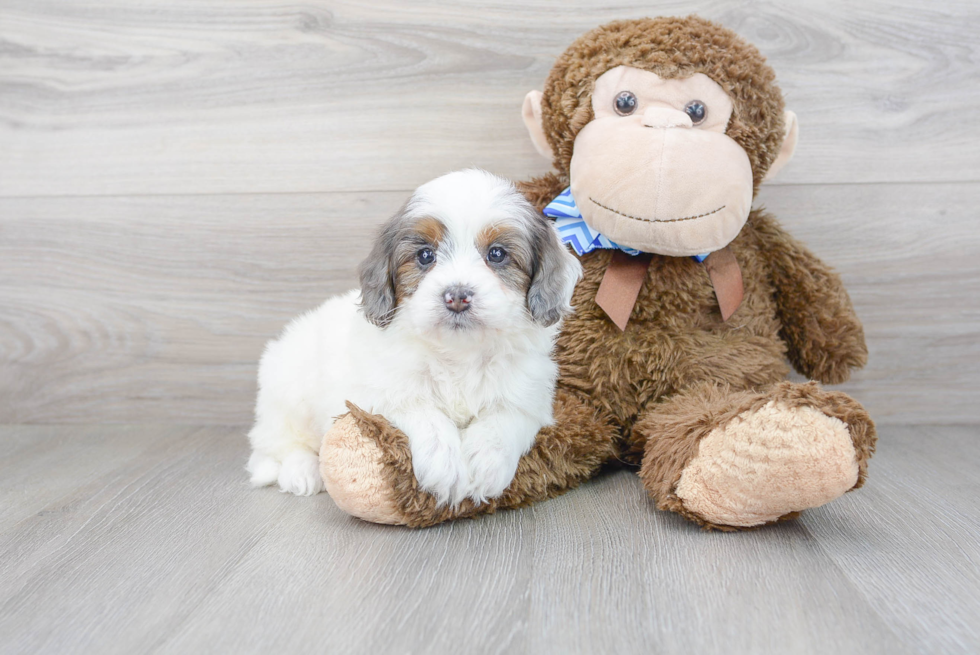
(178, 179)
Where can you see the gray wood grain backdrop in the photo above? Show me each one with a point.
(177, 179)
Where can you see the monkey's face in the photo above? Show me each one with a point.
(654, 169)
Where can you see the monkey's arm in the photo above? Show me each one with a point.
(819, 325)
(366, 464)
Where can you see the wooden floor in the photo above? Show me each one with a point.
(178, 179)
(147, 539)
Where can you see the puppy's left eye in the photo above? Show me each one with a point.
(425, 256)
(496, 255)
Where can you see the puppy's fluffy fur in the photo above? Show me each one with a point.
(460, 303)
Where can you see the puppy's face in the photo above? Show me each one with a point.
(467, 251)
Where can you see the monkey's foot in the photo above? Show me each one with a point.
(354, 473)
(768, 458)
(366, 464)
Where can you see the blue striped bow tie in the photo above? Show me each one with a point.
(575, 232)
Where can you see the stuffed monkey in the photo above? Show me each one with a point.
(660, 132)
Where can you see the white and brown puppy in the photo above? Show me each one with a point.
(451, 340)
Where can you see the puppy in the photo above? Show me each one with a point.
(449, 338)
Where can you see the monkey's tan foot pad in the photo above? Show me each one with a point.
(767, 463)
(351, 464)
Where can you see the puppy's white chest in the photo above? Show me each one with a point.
(463, 391)
(461, 414)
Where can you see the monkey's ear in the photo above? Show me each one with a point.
(789, 145)
(532, 120)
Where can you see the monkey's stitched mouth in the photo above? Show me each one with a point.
(655, 220)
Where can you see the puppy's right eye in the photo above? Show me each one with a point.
(496, 254)
(425, 256)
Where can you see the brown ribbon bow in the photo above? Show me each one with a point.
(624, 277)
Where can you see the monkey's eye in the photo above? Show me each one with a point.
(496, 254)
(425, 256)
(697, 111)
(625, 103)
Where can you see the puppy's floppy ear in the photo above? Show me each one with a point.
(556, 271)
(377, 273)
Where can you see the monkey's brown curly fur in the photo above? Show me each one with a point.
(650, 394)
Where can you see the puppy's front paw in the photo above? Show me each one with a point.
(439, 468)
(300, 474)
(437, 460)
(491, 465)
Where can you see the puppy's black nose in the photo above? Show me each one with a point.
(458, 298)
